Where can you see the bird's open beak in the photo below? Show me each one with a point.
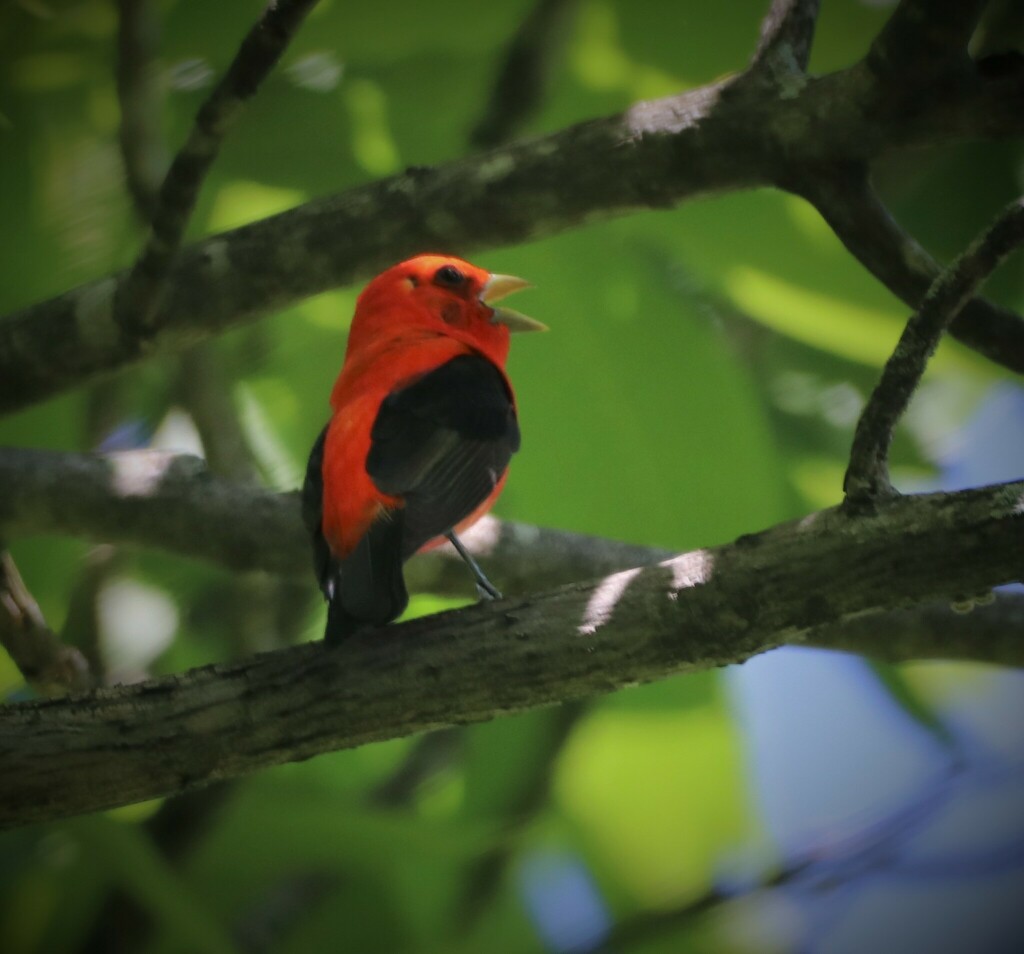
(497, 287)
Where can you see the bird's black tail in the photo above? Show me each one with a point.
(340, 623)
(369, 589)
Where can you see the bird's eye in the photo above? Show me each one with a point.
(449, 276)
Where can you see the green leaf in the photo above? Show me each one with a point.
(140, 871)
(914, 704)
(658, 796)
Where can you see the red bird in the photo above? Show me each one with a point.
(424, 426)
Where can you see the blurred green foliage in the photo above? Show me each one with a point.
(701, 379)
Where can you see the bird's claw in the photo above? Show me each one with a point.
(488, 592)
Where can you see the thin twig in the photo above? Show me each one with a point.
(139, 297)
(826, 866)
(205, 391)
(787, 33)
(50, 667)
(429, 755)
(106, 408)
(523, 78)
(529, 794)
(123, 924)
(842, 193)
(82, 624)
(867, 478)
(143, 153)
(144, 160)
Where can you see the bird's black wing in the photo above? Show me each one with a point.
(442, 443)
(312, 516)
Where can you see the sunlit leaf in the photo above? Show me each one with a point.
(660, 796)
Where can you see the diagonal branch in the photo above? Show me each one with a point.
(787, 33)
(47, 664)
(923, 36)
(867, 478)
(843, 195)
(523, 78)
(699, 610)
(726, 136)
(855, 851)
(139, 297)
(138, 92)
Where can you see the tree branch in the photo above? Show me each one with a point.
(991, 633)
(787, 33)
(859, 852)
(49, 666)
(142, 496)
(520, 85)
(156, 500)
(205, 390)
(699, 610)
(525, 797)
(844, 197)
(138, 297)
(138, 92)
(173, 503)
(923, 36)
(867, 478)
(726, 136)
(82, 622)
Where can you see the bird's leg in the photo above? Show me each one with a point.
(484, 587)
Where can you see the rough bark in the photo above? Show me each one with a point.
(752, 130)
(702, 609)
(868, 474)
(139, 295)
(173, 503)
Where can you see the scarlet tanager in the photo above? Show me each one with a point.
(423, 427)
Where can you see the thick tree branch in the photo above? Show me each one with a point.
(139, 295)
(156, 500)
(699, 610)
(787, 33)
(867, 477)
(129, 497)
(729, 135)
(922, 36)
(172, 502)
(988, 633)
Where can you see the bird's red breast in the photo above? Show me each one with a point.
(410, 320)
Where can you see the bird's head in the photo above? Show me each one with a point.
(443, 295)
